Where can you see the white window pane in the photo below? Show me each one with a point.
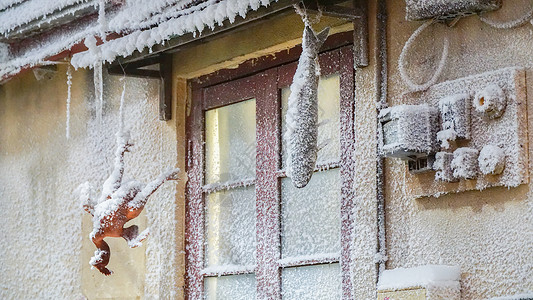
(311, 282)
(310, 216)
(328, 118)
(230, 232)
(230, 142)
(234, 287)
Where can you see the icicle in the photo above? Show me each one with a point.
(401, 61)
(99, 91)
(69, 94)
(102, 20)
(121, 109)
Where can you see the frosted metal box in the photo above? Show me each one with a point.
(409, 131)
(447, 9)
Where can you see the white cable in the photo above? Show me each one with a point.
(509, 24)
(401, 61)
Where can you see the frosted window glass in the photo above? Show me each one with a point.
(310, 216)
(328, 118)
(234, 287)
(230, 232)
(230, 142)
(312, 282)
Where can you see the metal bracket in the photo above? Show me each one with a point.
(358, 14)
(162, 71)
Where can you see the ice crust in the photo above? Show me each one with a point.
(143, 23)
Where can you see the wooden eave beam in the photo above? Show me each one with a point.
(164, 74)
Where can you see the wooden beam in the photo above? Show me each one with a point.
(164, 74)
(360, 38)
(138, 73)
(165, 88)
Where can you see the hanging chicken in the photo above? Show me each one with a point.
(301, 135)
(120, 202)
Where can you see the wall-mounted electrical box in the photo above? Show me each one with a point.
(479, 128)
(447, 9)
(409, 133)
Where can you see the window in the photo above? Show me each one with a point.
(250, 233)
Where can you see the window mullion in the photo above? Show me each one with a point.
(267, 188)
(347, 113)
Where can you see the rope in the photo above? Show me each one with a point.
(401, 61)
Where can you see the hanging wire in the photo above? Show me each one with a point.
(527, 17)
(401, 61)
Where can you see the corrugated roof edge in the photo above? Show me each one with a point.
(71, 43)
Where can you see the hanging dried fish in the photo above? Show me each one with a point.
(302, 115)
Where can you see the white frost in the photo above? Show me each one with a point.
(69, 95)
(421, 276)
(401, 61)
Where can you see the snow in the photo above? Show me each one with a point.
(144, 23)
(16, 15)
(491, 160)
(521, 296)
(421, 276)
(301, 119)
(102, 21)
(465, 163)
(441, 9)
(228, 268)
(194, 19)
(490, 101)
(317, 258)
(443, 166)
(455, 119)
(4, 52)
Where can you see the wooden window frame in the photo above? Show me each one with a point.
(263, 79)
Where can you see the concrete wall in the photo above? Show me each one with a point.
(44, 230)
(44, 234)
(488, 233)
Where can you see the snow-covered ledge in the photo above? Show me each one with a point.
(423, 282)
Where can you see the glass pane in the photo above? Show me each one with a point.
(311, 282)
(230, 232)
(310, 220)
(230, 142)
(234, 287)
(328, 118)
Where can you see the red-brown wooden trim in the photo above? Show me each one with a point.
(308, 261)
(267, 190)
(207, 272)
(347, 136)
(194, 231)
(232, 92)
(257, 65)
(320, 167)
(265, 87)
(216, 187)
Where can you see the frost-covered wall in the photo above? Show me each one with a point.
(44, 231)
(489, 233)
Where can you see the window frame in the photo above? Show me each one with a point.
(263, 80)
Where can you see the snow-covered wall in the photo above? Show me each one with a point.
(489, 233)
(45, 246)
